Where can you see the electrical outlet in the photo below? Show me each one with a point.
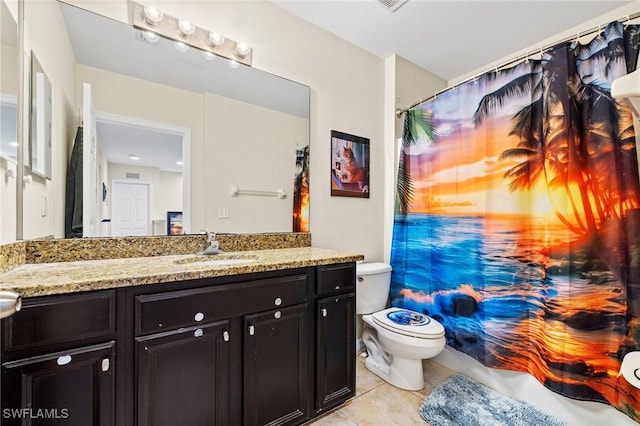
(223, 213)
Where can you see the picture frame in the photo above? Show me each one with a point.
(174, 223)
(349, 165)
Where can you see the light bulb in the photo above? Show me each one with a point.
(242, 49)
(152, 15)
(233, 64)
(215, 39)
(185, 28)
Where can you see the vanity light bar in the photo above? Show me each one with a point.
(182, 31)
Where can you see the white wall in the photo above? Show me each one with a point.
(252, 148)
(55, 54)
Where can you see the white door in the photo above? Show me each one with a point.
(129, 209)
(89, 166)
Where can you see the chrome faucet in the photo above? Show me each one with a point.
(213, 247)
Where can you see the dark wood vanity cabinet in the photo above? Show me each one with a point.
(335, 335)
(274, 348)
(58, 361)
(183, 376)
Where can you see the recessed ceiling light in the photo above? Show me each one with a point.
(179, 163)
(133, 157)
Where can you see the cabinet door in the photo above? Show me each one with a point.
(335, 356)
(277, 380)
(183, 376)
(74, 387)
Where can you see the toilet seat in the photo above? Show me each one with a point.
(409, 323)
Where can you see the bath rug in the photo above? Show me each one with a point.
(462, 402)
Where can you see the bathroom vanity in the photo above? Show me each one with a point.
(266, 342)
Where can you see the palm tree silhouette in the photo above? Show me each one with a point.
(417, 124)
(572, 134)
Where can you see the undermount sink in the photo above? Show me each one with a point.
(217, 259)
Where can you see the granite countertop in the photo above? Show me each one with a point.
(42, 279)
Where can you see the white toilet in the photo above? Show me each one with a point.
(397, 340)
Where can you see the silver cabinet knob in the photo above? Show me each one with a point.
(105, 364)
(198, 333)
(277, 315)
(278, 301)
(324, 312)
(252, 330)
(337, 287)
(225, 336)
(63, 360)
(199, 316)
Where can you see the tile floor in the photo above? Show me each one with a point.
(378, 403)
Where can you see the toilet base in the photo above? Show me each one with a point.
(403, 373)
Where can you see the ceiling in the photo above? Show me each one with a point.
(448, 38)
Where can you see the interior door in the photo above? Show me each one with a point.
(130, 209)
(90, 166)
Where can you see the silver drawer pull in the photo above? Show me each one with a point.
(278, 301)
(199, 316)
(105, 364)
(277, 315)
(337, 287)
(251, 330)
(225, 336)
(198, 333)
(324, 312)
(64, 360)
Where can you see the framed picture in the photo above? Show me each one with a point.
(349, 165)
(174, 223)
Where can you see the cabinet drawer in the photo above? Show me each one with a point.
(333, 279)
(184, 308)
(60, 319)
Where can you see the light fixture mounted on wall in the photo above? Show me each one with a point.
(150, 19)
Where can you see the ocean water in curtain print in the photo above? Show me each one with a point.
(520, 232)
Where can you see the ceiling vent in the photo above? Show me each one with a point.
(392, 5)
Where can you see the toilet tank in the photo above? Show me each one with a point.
(373, 281)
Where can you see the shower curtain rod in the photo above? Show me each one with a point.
(527, 55)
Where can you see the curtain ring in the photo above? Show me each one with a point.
(628, 20)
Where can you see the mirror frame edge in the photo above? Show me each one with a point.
(20, 124)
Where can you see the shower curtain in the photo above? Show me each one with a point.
(517, 219)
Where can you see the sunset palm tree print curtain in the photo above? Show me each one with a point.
(517, 219)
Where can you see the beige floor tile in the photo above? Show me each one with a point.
(385, 405)
(335, 418)
(365, 379)
(378, 403)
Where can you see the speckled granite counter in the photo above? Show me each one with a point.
(85, 275)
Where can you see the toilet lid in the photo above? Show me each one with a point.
(409, 323)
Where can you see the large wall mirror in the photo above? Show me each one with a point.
(165, 130)
(9, 89)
